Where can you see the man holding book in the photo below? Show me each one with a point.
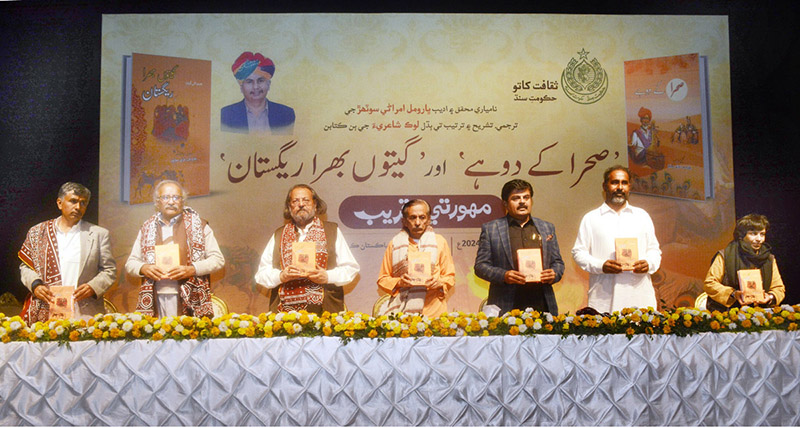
(175, 254)
(306, 261)
(66, 258)
(745, 271)
(418, 270)
(610, 240)
(518, 254)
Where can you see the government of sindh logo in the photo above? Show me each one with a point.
(584, 81)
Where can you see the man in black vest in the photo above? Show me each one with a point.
(315, 289)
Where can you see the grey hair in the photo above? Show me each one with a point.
(77, 188)
(184, 193)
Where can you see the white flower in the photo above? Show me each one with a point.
(523, 328)
(136, 317)
(39, 334)
(51, 325)
(90, 329)
(757, 321)
(548, 317)
(113, 325)
(297, 328)
(732, 326)
(279, 316)
(127, 326)
(567, 320)
(511, 320)
(461, 332)
(453, 326)
(483, 323)
(421, 326)
(102, 325)
(537, 325)
(317, 325)
(148, 328)
(340, 319)
(787, 308)
(162, 332)
(223, 327)
(2, 332)
(244, 324)
(59, 330)
(15, 325)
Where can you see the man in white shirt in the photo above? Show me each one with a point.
(610, 287)
(183, 286)
(67, 251)
(315, 290)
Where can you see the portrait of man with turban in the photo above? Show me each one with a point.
(255, 113)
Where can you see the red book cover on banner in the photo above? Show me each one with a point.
(166, 125)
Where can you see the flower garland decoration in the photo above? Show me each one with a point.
(350, 325)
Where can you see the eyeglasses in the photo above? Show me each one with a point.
(297, 201)
(173, 198)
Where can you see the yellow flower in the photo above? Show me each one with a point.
(667, 329)
(404, 333)
(428, 332)
(372, 334)
(389, 333)
(778, 320)
(157, 336)
(792, 327)
(747, 324)
(714, 325)
(629, 331)
(52, 334)
(687, 323)
(326, 331)
(548, 327)
(514, 330)
(97, 333)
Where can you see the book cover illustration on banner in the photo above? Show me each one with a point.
(668, 121)
(166, 123)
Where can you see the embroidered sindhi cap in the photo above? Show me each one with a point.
(249, 62)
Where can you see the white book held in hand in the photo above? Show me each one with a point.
(529, 261)
(751, 285)
(419, 266)
(63, 303)
(627, 250)
(168, 255)
(304, 255)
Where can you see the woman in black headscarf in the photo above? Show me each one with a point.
(747, 251)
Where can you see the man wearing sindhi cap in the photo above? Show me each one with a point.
(255, 113)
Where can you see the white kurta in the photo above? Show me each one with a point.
(595, 244)
(345, 271)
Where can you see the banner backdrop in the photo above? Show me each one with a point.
(387, 107)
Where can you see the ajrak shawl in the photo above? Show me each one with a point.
(40, 253)
(195, 292)
(298, 294)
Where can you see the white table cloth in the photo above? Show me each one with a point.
(705, 379)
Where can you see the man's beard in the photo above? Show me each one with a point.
(303, 217)
(618, 198)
